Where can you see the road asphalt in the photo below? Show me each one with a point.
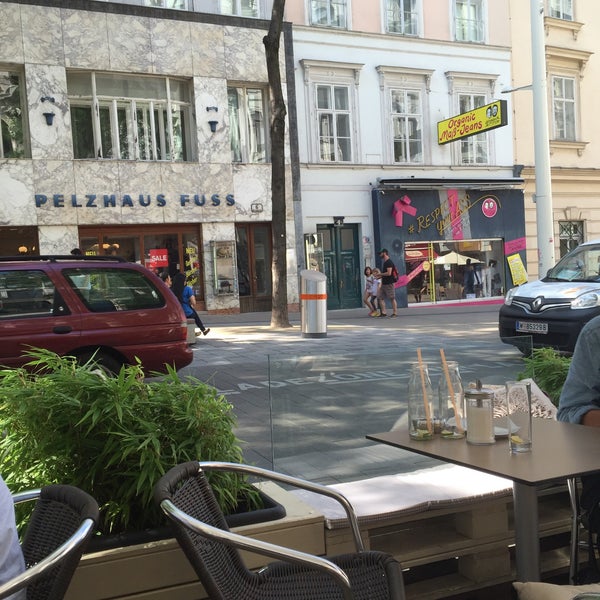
(303, 404)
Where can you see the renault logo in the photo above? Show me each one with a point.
(537, 304)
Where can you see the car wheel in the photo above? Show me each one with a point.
(103, 362)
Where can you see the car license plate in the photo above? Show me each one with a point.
(532, 327)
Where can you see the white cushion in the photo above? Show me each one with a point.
(381, 498)
(533, 590)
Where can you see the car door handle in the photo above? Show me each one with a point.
(62, 329)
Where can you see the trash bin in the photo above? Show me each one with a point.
(313, 304)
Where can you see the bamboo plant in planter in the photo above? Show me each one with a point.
(112, 436)
(548, 368)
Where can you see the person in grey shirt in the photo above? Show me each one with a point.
(11, 557)
(580, 398)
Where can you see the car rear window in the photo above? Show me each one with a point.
(25, 293)
(106, 289)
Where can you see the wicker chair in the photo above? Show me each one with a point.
(186, 497)
(60, 526)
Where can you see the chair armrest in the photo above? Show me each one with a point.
(26, 496)
(24, 579)
(236, 540)
(295, 482)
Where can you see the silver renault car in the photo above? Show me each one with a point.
(552, 311)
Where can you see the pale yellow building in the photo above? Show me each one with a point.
(572, 41)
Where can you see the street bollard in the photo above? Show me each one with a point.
(313, 304)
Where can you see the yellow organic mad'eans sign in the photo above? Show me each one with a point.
(473, 122)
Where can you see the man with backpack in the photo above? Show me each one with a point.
(388, 276)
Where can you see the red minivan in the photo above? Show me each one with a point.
(86, 306)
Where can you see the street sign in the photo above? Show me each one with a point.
(484, 118)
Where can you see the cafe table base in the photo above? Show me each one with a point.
(526, 532)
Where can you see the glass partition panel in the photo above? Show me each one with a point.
(323, 406)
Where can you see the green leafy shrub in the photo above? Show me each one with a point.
(112, 436)
(548, 368)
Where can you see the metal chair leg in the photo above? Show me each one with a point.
(575, 525)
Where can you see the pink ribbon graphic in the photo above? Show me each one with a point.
(401, 206)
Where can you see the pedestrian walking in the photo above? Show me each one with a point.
(387, 290)
(185, 295)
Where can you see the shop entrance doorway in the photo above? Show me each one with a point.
(254, 254)
(341, 265)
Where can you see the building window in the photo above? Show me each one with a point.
(469, 22)
(177, 4)
(331, 109)
(561, 9)
(11, 115)
(402, 17)
(474, 150)
(329, 13)
(563, 108)
(570, 234)
(407, 126)
(334, 119)
(241, 8)
(129, 117)
(247, 124)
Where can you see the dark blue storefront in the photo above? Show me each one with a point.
(463, 214)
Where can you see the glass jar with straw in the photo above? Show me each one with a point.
(451, 394)
(423, 420)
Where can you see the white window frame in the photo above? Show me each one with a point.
(473, 30)
(330, 9)
(326, 73)
(393, 78)
(472, 84)
(562, 105)
(399, 6)
(160, 144)
(561, 9)
(249, 142)
(470, 147)
(172, 4)
(239, 8)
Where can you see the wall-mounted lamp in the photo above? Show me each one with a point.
(23, 250)
(47, 99)
(49, 117)
(256, 207)
(338, 221)
(212, 124)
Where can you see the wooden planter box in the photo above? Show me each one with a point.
(160, 570)
(476, 538)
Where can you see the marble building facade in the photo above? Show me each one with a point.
(173, 178)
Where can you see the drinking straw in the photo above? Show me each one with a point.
(425, 399)
(457, 414)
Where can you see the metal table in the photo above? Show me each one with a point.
(560, 451)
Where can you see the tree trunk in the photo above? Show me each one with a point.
(279, 311)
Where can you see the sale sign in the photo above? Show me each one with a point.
(159, 257)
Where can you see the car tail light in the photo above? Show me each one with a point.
(184, 329)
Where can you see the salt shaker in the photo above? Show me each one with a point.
(480, 415)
